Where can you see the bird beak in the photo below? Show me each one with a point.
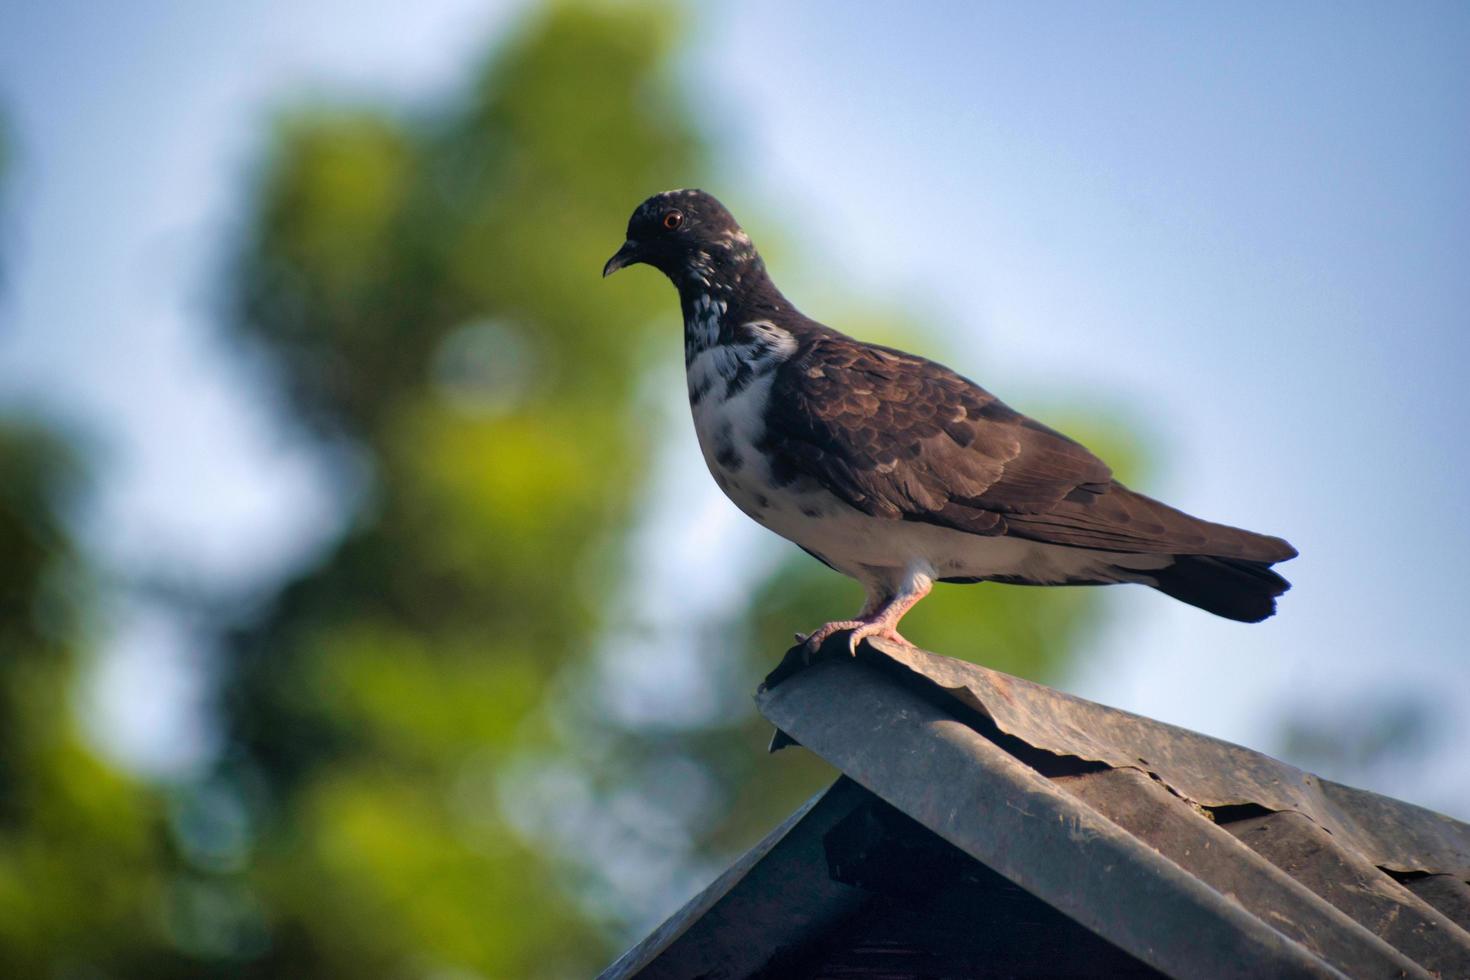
(627, 255)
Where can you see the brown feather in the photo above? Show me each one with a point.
(901, 437)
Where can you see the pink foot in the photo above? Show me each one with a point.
(809, 645)
(858, 630)
(879, 618)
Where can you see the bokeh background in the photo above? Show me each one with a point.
(365, 609)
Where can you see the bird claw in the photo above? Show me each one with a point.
(817, 638)
(810, 646)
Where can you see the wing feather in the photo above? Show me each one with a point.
(900, 437)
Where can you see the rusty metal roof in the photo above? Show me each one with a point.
(1180, 853)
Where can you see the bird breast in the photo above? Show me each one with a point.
(729, 389)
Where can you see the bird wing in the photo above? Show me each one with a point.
(900, 437)
(1119, 519)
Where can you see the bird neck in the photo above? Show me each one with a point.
(717, 296)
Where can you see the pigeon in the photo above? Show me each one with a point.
(899, 472)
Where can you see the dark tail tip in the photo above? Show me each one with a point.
(1235, 588)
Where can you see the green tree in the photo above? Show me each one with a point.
(89, 878)
(426, 794)
(428, 287)
(85, 861)
(423, 775)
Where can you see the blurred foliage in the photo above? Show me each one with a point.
(86, 868)
(424, 772)
(428, 287)
(82, 858)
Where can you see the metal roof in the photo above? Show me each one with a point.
(1184, 854)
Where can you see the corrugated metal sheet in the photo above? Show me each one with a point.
(1192, 856)
(1204, 770)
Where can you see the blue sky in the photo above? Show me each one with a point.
(1246, 231)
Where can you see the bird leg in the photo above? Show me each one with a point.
(879, 617)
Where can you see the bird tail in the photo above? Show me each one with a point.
(1236, 588)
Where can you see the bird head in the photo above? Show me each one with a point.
(687, 235)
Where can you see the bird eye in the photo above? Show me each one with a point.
(672, 220)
